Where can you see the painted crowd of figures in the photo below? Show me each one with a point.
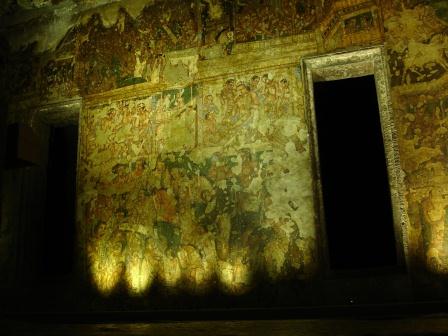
(158, 204)
(245, 111)
(97, 56)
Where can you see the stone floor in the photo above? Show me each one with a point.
(415, 326)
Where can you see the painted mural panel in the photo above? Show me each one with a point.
(132, 50)
(258, 120)
(423, 121)
(217, 21)
(359, 23)
(57, 79)
(417, 47)
(121, 191)
(350, 23)
(196, 185)
(260, 20)
(249, 110)
(417, 40)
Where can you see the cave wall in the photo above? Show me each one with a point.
(207, 181)
(195, 168)
(416, 40)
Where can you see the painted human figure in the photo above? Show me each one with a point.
(140, 65)
(270, 93)
(433, 229)
(227, 97)
(243, 102)
(444, 243)
(209, 114)
(255, 89)
(121, 174)
(284, 97)
(156, 73)
(179, 104)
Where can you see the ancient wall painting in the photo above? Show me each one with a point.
(227, 22)
(57, 79)
(132, 51)
(258, 118)
(351, 23)
(261, 20)
(423, 121)
(121, 144)
(428, 210)
(249, 110)
(193, 186)
(359, 23)
(171, 24)
(364, 27)
(417, 40)
(217, 22)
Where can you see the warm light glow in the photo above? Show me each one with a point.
(235, 278)
(139, 276)
(106, 275)
(203, 276)
(171, 273)
(434, 210)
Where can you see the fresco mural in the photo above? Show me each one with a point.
(260, 20)
(416, 40)
(417, 47)
(423, 134)
(346, 24)
(217, 21)
(210, 182)
(57, 79)
(112, 51)
(132, 51)
(359, 23)
(199, 183)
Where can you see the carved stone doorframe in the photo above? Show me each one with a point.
(343, 65)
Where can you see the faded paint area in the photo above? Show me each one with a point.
(417, 45)
(199, 183)
(260, 20)
(418, 59)
(132, 51)
(423, 122)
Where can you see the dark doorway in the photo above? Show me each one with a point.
(59, 226)
(355, 187)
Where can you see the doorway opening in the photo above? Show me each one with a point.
(59, 227)
(355, 188)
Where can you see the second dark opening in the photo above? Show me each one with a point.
(355, 187)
